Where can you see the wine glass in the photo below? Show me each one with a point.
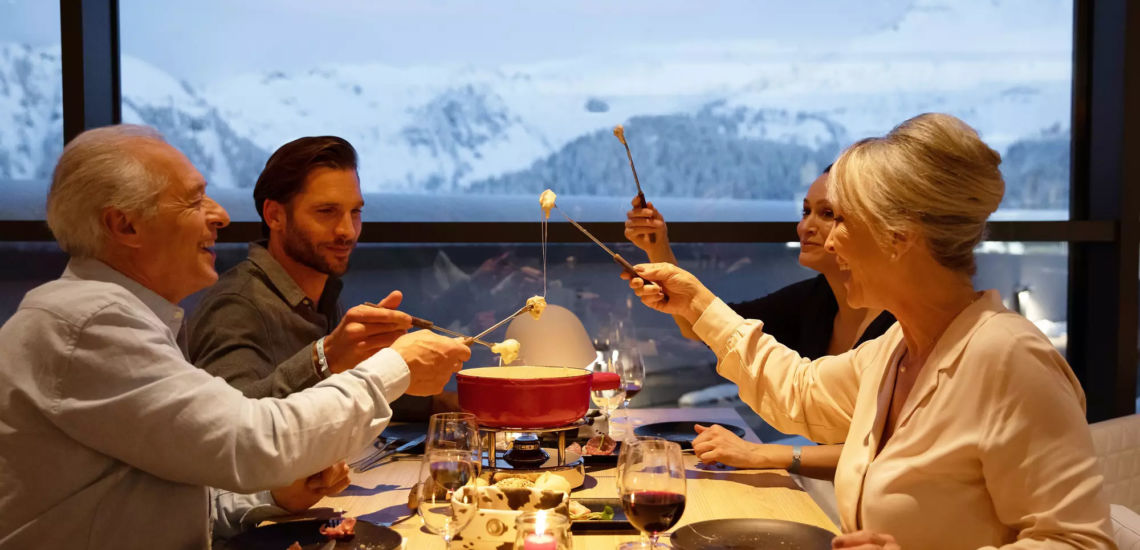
(632, 371)
(651, 481)
(446, 481)
(608, 399)
(445, 492)
(456, 431)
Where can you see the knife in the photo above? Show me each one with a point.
(376, 460)
(330, 545)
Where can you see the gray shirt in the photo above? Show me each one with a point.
(109, 438)
(256, 328)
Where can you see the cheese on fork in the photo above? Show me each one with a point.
(537, 305)
(508, 350)
(619, 132)
(546, 200)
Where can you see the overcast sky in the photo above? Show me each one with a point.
(229, 37)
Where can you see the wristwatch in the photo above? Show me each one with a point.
(796, 453)
(322, 362)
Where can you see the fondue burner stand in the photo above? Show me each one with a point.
(527, 456)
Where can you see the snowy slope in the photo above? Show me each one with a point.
(31, 113)
(995, 63)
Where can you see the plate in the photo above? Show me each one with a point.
(619, 524)
(740, 534)
(308, 532)
(681, 432)
(600, 459)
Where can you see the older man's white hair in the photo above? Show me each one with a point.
(99, 169)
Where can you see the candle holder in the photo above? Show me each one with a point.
(542, 531)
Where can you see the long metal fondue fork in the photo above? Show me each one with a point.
(425, 324)
(625, 265)
(521, 310)
(628, 267)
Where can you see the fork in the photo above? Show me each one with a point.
(379, 449)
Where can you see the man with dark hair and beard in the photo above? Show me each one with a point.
(272, 324)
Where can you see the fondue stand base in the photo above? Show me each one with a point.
(498, 465)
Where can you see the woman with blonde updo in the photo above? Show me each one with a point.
(964, 427)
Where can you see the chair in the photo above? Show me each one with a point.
(1117, 444)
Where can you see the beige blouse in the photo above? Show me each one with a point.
(992, 447)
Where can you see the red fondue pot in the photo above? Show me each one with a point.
(530, 396)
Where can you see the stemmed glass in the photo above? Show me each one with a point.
(651, 481)
(632, 371)
(608, 399)
(445, 492)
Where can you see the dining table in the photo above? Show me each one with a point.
(380, 495)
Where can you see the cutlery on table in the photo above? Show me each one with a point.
(376, 460)
(379, 445)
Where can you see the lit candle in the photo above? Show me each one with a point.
(539, 540)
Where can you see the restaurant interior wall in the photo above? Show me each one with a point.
(739, 245)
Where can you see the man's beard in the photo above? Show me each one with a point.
(305, 252)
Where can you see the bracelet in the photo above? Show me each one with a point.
(796, 453)
(322, 363)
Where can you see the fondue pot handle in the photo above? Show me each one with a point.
(600, 381)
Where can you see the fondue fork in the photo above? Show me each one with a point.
(521, 311)
(425, 324)
(628, 267)
(619, 132)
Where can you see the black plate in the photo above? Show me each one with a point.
(739, 534)
(280, 535)
(620, 524)
(681, 432)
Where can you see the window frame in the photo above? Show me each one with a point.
(1103, 232)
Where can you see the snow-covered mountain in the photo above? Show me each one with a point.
(31, 111)
(746, 120)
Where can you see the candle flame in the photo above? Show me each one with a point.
(540, 523)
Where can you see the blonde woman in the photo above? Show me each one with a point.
(964, 427)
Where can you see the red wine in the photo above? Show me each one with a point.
(653, 511)
(632, 390)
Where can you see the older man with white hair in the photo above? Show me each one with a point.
(108, 437)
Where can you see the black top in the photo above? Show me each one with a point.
(801, 316)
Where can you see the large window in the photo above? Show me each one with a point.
(466, 111)
(463, 112)
(31, 105)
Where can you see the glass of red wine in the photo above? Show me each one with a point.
(632, 372)
(651, 481)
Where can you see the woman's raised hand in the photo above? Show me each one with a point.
(670, 289)
(641, 224)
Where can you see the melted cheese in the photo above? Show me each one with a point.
(546, 200)
(537, 305)
(508, 350)
(619, 132)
